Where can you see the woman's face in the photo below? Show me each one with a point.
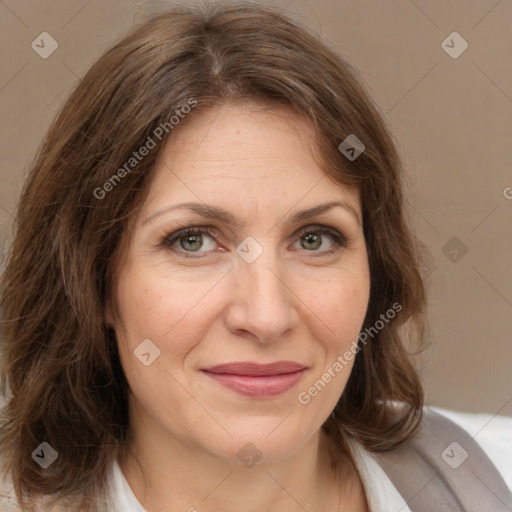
(274, 291)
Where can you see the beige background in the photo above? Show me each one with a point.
(451, 117)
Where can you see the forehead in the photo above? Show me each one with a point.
(243, 153)
(234, 137)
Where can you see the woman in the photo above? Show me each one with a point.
(203, 302)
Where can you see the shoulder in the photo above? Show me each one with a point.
(449, 462)
(492, 432)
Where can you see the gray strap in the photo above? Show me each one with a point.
(443, 469)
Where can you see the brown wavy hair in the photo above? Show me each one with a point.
(60, 366)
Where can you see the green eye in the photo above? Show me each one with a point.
(202, 239)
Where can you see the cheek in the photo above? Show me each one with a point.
(152, 303)
(154, 307)
(162, 306)
(340, 307)
(338, 313)
(140, 304)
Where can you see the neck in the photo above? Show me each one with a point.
(173, 475)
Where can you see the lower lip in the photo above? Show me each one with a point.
(259, 387)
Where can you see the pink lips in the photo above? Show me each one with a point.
(257, 380)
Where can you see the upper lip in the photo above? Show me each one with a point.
(256, 369)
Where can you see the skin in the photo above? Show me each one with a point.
(294, 303)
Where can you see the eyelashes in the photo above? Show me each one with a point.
(195, 235)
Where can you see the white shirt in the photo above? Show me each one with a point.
(492, 433)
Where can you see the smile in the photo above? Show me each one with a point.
(257, 380)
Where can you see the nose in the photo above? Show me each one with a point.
(263, 303)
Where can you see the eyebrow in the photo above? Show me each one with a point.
(213, 212)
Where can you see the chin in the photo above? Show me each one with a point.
(259, 444)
